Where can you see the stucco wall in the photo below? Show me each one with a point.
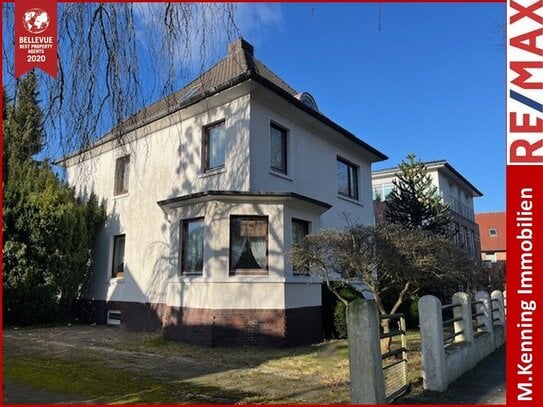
(451, 189)
(165, 162)
(311, 166)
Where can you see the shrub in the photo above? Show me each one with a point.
(334, 317)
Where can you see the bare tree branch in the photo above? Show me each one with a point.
(116, 58)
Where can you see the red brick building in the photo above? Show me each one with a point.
(492, 233)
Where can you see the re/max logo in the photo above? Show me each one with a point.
(525, 82)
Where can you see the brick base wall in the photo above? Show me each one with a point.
(211, 327)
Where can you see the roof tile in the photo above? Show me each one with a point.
(487, 221)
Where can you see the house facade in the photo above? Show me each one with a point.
(206, 194)
(454, 189)
(492, 226)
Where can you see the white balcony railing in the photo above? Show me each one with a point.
(461, 208)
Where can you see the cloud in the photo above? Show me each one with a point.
(203, 36)
(255, 20)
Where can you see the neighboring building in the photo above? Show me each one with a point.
(205, 197)
(492, 229)
(455, 190)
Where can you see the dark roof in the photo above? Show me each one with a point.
(172, 202)
(238, 66)
(492, 220)
(437, 163)
(237, 62)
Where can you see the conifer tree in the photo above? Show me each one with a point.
(415, 203)
(6, 108)
(47, 232)
(25, 134)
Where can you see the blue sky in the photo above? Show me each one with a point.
(423, 78)
(431, 81)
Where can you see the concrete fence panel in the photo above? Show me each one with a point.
(475, 335)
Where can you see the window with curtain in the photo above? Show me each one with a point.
(192, 246)
(214, 146)
(248, 244)
(118, 256)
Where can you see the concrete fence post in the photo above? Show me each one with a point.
(497, 301)
(434, 372)
(500, 314)
(464, 327)
(366, 366)
(485, 308)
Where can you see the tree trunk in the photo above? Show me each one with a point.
(386, 342)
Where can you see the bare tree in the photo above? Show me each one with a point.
(115, 58)
(392, 262)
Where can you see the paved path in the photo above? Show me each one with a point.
(484, 384)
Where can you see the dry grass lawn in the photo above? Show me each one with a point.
(107, 365)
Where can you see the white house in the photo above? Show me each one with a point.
(455, 190)
(205, 196)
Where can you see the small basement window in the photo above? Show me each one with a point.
(114, 317)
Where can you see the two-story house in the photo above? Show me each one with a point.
(455, 190)
(206, 194)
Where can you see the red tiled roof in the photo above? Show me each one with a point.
(487, 221)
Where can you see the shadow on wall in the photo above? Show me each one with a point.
(159, 258)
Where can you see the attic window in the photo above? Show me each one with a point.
(492, 232)
(189, 93)
(307, 100)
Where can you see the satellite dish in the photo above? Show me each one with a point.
(307, 100)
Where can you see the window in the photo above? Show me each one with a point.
(470, 243)
(456, 236)
(347, 179)
(464, 239)
(381, 192)
(278, 148)
(192, 246)
(492, 232)
(300, 229)
(118, 256)
(121, 175)
(248, 244)
(214, 146)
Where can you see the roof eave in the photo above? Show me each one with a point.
(204, 196)
(379, 156)
(113, 134)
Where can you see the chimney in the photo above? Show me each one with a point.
(240, 44)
